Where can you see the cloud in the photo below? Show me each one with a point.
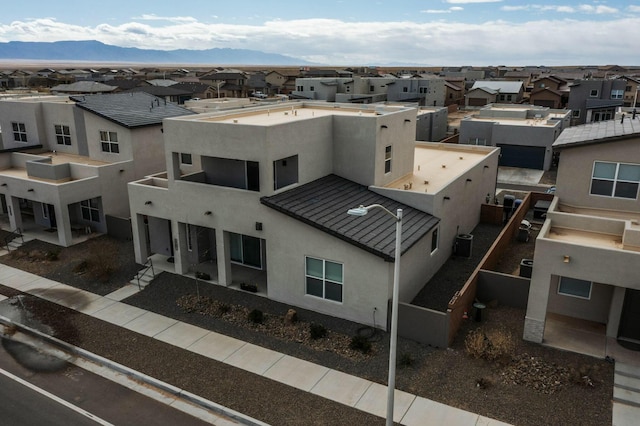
(599, 9)
(154, 17)
(471, 1)
(449, 10)
(337, 42)
(633, 8)
(584, 8)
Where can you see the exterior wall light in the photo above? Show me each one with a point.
(147, 203)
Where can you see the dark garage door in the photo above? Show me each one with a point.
(528, 157)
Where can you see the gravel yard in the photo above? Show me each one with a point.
(527, 385)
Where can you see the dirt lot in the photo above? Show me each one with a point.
(493, 372)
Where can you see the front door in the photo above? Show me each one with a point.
(629, 330)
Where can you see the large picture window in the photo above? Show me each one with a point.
(90, 210)
(109, 142)
(574, 287)
(19, 132)
(245, 250)
(324, 278)
(63, 134)
(615, 180)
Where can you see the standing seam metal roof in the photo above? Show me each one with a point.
(132, 109)
(323, 204)
(598, 132)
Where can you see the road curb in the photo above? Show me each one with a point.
(136, 375)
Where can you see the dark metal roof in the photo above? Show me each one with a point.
(599, 132)
(133, 109)
(323, 204)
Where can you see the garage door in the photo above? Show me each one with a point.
(528, 157)
(545, 103)
(477, 101)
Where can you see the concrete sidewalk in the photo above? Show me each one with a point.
(349, 390)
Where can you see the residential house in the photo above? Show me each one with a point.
(426, 91)
(260, 196)
(83, 87)
(524, 133)
(66, 161)
(631, 91)
(595, 100)
(549, 91)
(484, 92)
(281, 82)
(228, 83)
(431, 124)
(587, 253)
(454, 91)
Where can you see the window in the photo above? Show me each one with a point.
(285, 172)
(509, 97)
(576, 113)
(347, 89)
(424, 90)
(434, 240)
(45, 210)
(245, 250)
(615, 180)
(617, 94)
(300, 88)
(186, 158)
(19, 132)
(63, 135)
(502, 97)
(593, 93)
(189, 239)
(477, 141)
(90, 210)
(405, 89)
(628, 89)
(312, 88)
(109, 142)
(387, 159)
(372, 88)
(574, 287)
(324, 278)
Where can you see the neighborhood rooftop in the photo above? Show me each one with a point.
(130, 109)
(600, 131)
(323, 204)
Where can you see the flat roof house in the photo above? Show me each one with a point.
(260, 196)
(67, 161)
(524, 133)
(588, 250)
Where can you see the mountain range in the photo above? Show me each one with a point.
(95, 51)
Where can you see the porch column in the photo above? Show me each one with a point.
(615, 311)
(179, 262)
(15, 217)
(223, 254)
(537, 306)
(139, 233)
(63, 223)
(180, 252)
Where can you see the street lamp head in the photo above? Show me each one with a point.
(358, 211)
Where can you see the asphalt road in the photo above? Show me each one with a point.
(115, 404)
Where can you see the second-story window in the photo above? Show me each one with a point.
(387, 159)
(312, 88)
(593, 93)
(109, 142)
(617, 94)
(186, 159)
(19, 132)
(63, 134)
(615, 180)
(405, 89)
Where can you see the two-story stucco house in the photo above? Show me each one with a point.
(66, 161)
(260, 196)
(524, 133)
(588, 250)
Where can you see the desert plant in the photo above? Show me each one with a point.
(405, 360)
(256, 316)
(360, 343)
(223, 308)
(81, 267)
(317, 331)
(52, 255)
(492, 345)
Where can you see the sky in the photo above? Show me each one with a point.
(352, 32)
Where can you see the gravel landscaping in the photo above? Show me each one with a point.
(494, 372)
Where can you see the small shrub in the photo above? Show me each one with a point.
(52, 255)
(484, 382)
(360, 343)
(493, 345)
(81, 267)
(406, 360)
(224, 308)
(256, 316)
(317, 331)
(203, 276)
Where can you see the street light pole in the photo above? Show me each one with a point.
(393, 340)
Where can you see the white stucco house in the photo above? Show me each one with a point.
(66, 161)
(588, 250)
(260, 196)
